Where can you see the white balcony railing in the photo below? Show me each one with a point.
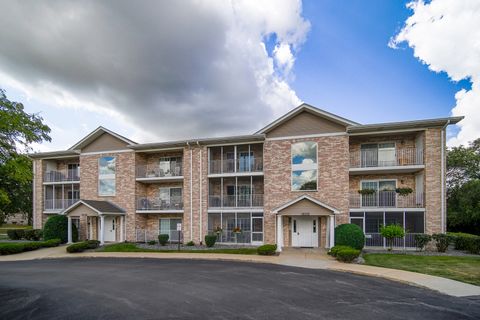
(58, 204)
(62, 175)
(151, 204)
(386, 199)
(240, 165)
(376, 158)
(154, 171)
(238, 201)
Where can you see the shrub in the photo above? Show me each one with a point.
(347, 254)
(267, 250)
(93, 244)
(442, 241)
(462, 240)
(18, 247)
(210, 240)
(190, 243)
(333, 250)
(77, 247)
(56, 227)
(152, 242)
(163, 239)
(391, 232)
(421, 240)
(33, 234)
(12, 234)
(349, 235)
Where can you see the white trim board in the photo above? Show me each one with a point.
(318, 135)
(305, 197)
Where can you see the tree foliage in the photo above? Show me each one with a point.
(18, 130)
(463, 188)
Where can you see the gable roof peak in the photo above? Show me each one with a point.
(89, 138)
(308, 108)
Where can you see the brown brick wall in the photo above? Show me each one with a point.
(333, 177)
(433, 178)
(125, 185)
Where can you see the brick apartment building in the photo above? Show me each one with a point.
(290, 183)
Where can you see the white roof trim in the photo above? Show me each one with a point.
(94, 134)
(76, 204)
(307, 107)
(305, 197)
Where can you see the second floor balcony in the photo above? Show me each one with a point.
(150, 204)
(67, 175)
(386, 199)
(235, 201)
(57, 205)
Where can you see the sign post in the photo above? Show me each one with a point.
(179, 230)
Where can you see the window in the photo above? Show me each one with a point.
(384, 196)
(170, 198)
(304, 166)
(169, 226)
(170, 166)
(378, 154)
(106, 176)
(73, 172)
(414, 222)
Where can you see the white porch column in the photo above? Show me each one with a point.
(90, 236)
(122, 218)
(102, 229)
(279, 233)
(69, 228)
(332, 231)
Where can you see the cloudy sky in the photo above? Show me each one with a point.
(158, 70)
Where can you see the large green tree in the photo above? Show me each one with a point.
(18, 130)
(463, 188)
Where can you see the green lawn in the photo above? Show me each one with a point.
(131, 247)
(5, 227)
(465, 269)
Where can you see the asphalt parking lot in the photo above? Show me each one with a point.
(184, 289)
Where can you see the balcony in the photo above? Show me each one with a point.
(172, 205)
(235, 201)
(386, 161)
(62, 176)
(155, 173)
(386, 199)
(248, 165)
(57, 205)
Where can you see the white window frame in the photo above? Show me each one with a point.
(292, 167)
(107, 177)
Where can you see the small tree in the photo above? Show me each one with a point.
(421, 241)
(391, 232)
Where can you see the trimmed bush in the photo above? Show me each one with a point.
(421, 240)
(267, 250)
(18, 247)
(442, 241)
(93, 244)
(33, 234)
(349, 234)
(20, 233)
(56, 227)
(190, 244)
(152, 242)
(163, 239)
(347, 254)
(462, 241)
(12, 234)
(392, 232)
(333, 250)
(210, 240)
(77, 247)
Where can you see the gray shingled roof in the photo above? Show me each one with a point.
(103, 206)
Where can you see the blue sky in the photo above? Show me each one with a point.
(208, 76)
(347, 67)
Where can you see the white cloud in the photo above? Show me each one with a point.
(169, 70)
(445, 35)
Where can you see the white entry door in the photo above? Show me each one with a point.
(110, 226)
(305, 231)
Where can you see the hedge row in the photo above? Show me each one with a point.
(466, 241)
(344, 253)
(29, 234)
(18, 247)
(267, 250)
(82, 246)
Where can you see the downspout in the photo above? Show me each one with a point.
(191, 192)
(444, 218)
(34, 196)
(200, 186)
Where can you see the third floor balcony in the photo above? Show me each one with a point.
(246, 159)
(384, 158)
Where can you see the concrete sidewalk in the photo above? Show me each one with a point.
(303, 258)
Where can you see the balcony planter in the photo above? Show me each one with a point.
(404, 191)
(218, 231)
(364, 192)
(237, 230)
